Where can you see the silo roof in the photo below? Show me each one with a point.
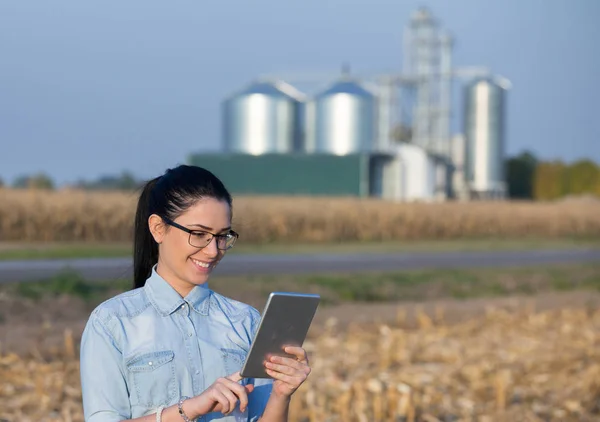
(349, 87)
(273, 89)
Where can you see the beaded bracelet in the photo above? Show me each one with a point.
(180, 407)
(159, 413)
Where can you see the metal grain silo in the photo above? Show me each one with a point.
(343, 119)
(484, 135)
(264, 118)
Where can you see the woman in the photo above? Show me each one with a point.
(171, 349)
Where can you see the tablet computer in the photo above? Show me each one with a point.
(285, 322)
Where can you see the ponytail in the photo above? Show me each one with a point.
(145, 249)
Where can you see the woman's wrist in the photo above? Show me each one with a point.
(280, 398)
(191, 408)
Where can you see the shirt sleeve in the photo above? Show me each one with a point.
(257, 400)
(103, 384)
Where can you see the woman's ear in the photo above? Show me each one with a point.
(157, 228)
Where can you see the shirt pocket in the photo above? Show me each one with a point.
(153, 376)
(233, 360)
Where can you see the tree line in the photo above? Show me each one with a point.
(124, 181)
(530, 178)
(526, 177)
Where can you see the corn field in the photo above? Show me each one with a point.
(503, 366)
(30, 215)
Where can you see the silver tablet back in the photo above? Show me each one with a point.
(285, 321)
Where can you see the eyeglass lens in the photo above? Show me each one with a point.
(202, 239)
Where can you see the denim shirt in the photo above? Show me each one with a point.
(149, 346)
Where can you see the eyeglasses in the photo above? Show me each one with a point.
(201, 239)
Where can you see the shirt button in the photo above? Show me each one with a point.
(190, 334)
(150, 363)
(197, 372)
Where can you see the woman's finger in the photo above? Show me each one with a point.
(241, 392)
(235, 377)
(231, 398)
(220, 398)
(294, 382)
(299, 352)
(300, 366)
(284, 369)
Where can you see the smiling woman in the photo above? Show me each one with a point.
(171, 348)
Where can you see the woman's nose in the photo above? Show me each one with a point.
(211, 249)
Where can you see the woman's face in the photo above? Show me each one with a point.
(181, 264)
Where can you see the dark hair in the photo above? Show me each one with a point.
(169, 196)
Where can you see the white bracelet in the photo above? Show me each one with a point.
(159, 413)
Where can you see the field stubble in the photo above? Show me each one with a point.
(33, 216)
(524, 365)
(527, 366)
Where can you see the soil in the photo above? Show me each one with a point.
(37, 328)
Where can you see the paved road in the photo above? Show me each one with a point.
(102, 269)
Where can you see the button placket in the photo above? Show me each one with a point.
(185, 309)
(191, 344)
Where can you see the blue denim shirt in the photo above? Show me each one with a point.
(149, 346)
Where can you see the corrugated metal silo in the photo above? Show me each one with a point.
(484, 135)
(344, 120)
(459, 188)
(418, 173)
(264, 118)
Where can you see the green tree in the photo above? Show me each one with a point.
(21, 182)
(549, 180)
(583, 177)
(41, 181)
(520, 171)
(37, 181)
(125, 181)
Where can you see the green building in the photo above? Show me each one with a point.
(291, 174)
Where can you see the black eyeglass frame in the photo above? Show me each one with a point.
(190, 232)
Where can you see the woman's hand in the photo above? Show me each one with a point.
(288, 373)
(223, 396)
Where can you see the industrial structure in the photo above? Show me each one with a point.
(384, 135)
(484, 132)
(264, 118)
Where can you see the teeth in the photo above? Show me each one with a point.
(201, 264)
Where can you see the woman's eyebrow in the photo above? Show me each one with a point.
(210, 228)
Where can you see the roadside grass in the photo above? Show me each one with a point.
(25, 251)
(340, 288)
(68, 283)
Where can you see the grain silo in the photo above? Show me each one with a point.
(484, 136)
(263, 118)
(342, 119)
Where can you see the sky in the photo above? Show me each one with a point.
(95, 88)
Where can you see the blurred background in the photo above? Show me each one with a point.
(432, 169)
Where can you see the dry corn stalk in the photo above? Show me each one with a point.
(502, 366)
(71, 215)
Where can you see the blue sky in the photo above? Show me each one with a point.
(88, 89)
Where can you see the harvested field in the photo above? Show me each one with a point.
(502, 365)
(34, 216)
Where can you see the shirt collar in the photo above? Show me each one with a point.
(166, 300)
